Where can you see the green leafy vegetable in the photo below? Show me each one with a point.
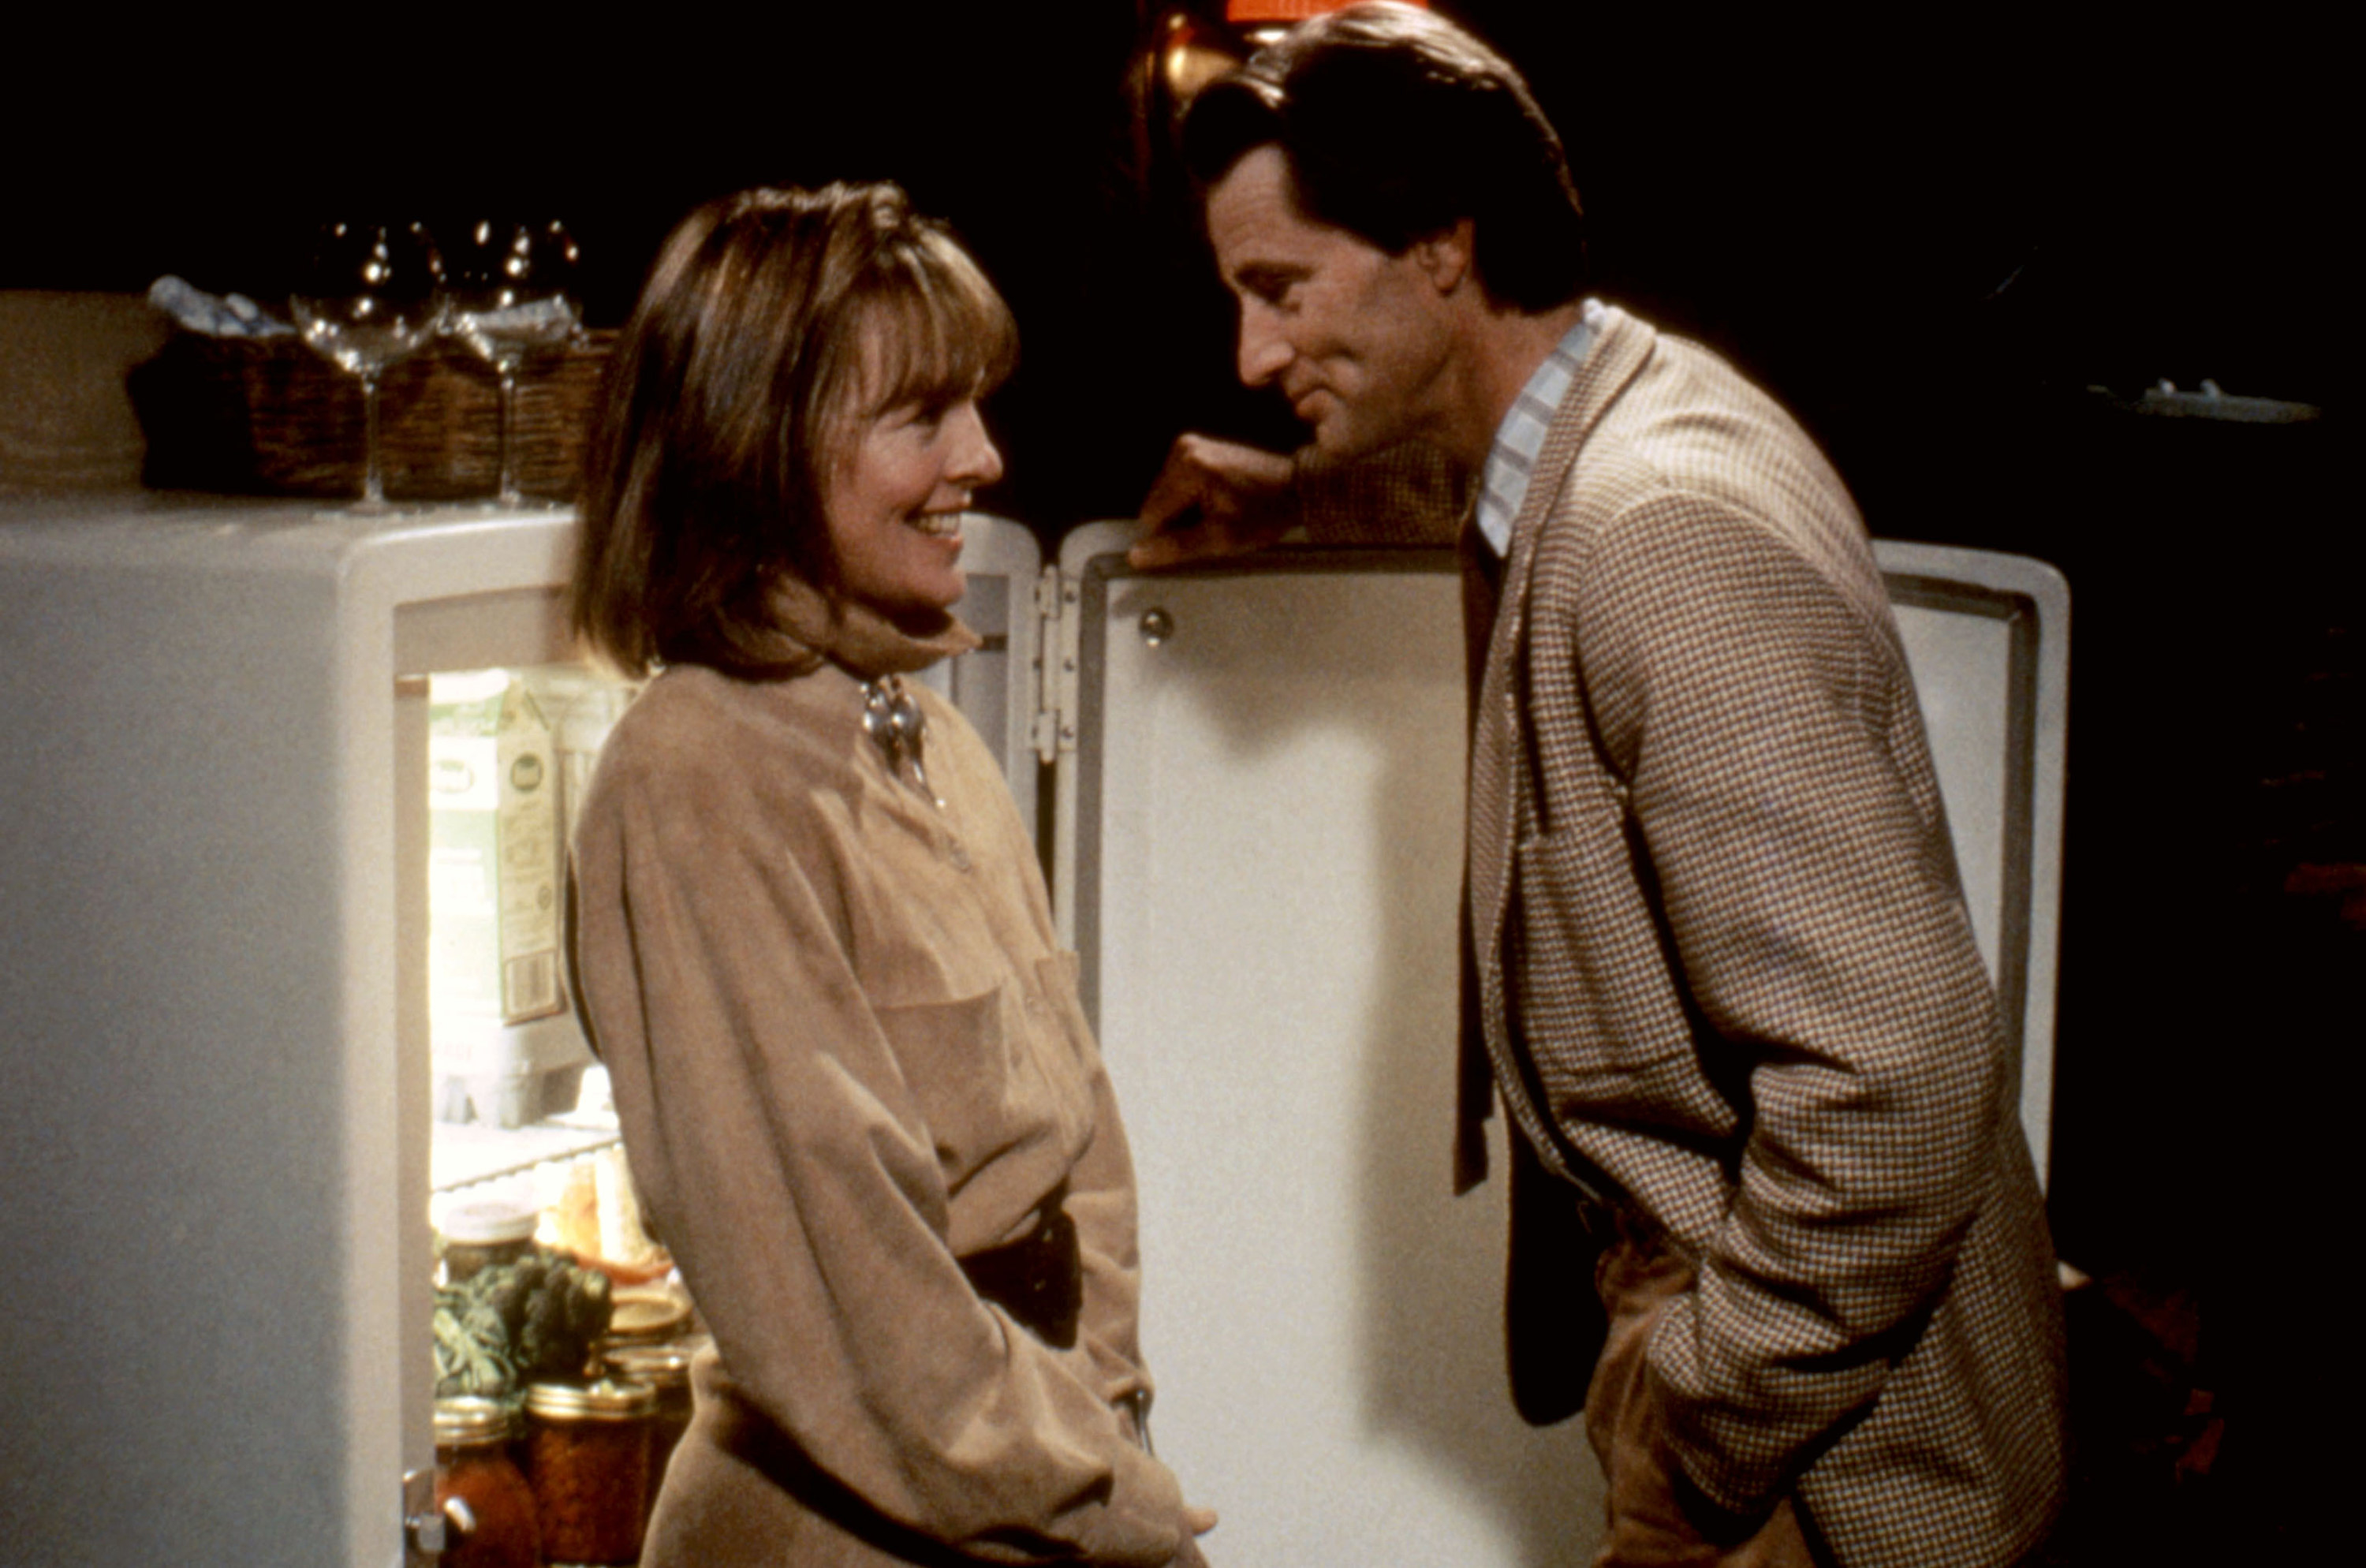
(513, 1323)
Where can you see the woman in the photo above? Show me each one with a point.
(863, 1104)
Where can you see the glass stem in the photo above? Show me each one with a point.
(372, 476)
(509, 494)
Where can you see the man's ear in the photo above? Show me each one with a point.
(1445, 257)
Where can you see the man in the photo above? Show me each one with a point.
(1719, 957)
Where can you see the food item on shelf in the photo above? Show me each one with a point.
(621, 1239)
(664, 1369)
(488, 1508)
(645, 1314)
(597, 1216)
(588, 1463)
(510, 1324)
(488, 1231)
(575, 1213)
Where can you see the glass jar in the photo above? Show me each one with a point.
(588, 1462)
(665, 1371)
(644, 1315)
(488, 1508)
(482, 1234)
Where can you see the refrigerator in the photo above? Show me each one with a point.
(218, 1131)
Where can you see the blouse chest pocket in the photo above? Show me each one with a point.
(993, 1074)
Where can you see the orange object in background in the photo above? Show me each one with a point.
(596, 1219)
(1288, 10)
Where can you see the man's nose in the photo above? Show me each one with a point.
(1264, 351)
(975, 463)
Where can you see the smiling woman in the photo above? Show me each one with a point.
(864, 1105)
(796, 391)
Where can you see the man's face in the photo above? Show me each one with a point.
(1356, 339)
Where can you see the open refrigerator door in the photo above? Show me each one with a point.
(1260, 854)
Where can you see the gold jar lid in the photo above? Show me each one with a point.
(610, 1399)
(467, 1418)
(644, 1317)
(659, 1366)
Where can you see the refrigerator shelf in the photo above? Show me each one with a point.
(471, 1153)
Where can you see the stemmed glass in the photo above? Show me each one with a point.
(369, 295)
(510, 297)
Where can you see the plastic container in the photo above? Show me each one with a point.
(489, 1510)
(482, 1234)
(588, 1462)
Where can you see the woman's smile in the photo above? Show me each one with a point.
(895, 497)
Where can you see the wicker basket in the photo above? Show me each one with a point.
(272, 417)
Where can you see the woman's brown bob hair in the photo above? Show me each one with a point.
(722, 409)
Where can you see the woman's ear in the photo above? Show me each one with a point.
(1445, 257)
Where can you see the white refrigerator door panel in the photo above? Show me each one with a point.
(1987, 637)
(1270, 936)
(1260, 854)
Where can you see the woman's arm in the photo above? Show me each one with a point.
(784, 1154)
(1101, 1201)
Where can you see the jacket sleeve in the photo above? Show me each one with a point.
(1408, 494)
(1766, 727)
(782, 1157)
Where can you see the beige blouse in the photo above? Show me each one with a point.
(847, 1050)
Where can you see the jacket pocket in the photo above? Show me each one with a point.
(1593, 986)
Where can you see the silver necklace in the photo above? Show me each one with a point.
(895, 722)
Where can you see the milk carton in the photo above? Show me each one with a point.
(494, 893)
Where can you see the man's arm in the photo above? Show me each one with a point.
(1810, 896)
(1215, 499)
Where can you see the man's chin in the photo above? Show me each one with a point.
(1334, 440)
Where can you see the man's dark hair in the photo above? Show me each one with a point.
(1395, 123)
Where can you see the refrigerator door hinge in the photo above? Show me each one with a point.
(425, 1537)
(1058, 626)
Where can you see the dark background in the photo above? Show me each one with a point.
(1931, 239)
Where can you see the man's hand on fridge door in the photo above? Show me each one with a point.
(1215, 499)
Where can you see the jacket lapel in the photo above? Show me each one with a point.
(1620, 350)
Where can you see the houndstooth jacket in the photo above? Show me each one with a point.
(1723, 955)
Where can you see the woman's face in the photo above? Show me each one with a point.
(892, 497)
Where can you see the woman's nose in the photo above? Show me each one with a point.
(976, 462)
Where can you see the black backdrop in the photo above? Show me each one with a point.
(1931, 237)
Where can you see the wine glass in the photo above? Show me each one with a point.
(370, 294)
(509, 298)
